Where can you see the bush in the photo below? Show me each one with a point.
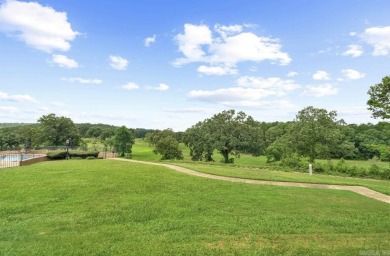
(60, 155)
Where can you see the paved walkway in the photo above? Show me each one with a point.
(357, 189)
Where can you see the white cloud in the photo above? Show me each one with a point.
(217, 70)
(63, 61)
(40, 27)
(118, 62)
(190, 43)
(379, 38)
(271, 83)
(17, 98)
(229, 46)
(292, 74)
(81, 80)
(351, 74)
(354, 51)
(225, 31)
(160, 87)
(9, 109)
(247, 47)
(320, 90)
(232, 94)
(321, 75)
(250, 92)
(149, 40)
(130, 86)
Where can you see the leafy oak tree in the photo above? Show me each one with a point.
(165, 144)
(379, 102)
(123, 140)
(54, 131)
(315, 133)
(226, 132)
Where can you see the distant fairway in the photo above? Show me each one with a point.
(103, 207)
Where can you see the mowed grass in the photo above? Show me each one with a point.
(249, 167)
(382, 186)
(107, 207)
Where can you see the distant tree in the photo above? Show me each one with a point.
(165, 144)
(226, 132)
(379, 102)
(54, 131)
(124, 140)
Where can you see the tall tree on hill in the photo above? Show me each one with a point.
(379, 102)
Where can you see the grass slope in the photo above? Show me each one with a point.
(250, 167)
(382, 186)
(103, 207)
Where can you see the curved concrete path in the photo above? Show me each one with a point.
(357, 189)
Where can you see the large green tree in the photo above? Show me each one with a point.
(226, 132)
(54, 131)
(165, 144)
(379, 102)
(315, 133)
(123, 140)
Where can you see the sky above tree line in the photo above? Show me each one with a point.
(169, 64)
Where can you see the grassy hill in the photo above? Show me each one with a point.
(103, 207)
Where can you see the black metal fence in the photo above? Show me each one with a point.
(14, 158)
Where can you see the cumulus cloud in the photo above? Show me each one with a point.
(379, 38)
(191, 42)
(271, 83)
(353, 50)
(40, 27)
(117, 62)
(226, 47)
(253, 92)
(320, 90)
(63, 61)
(130, 86)
(81, 80)
(160, 87)
(351, 74)
(17, 98)
(217, 70)
(321, 75)
(149, 41)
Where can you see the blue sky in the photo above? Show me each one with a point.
(169, 64)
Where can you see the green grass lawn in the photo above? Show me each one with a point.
(257, 168)
(382, 186)
(105, 207)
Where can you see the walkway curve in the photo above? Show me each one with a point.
(357, 189)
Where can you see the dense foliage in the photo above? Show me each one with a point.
(379, 102)
(60, 155)
(123, 140)
(165, 144)
(226, 132)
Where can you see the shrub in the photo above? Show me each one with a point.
(58, 155)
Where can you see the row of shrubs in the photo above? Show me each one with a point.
(60, 155)
(340, 168)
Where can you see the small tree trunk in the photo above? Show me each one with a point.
(225, 155)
